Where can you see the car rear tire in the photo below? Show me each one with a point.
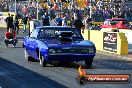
(42, 61)
(27, 57)
(88, 63)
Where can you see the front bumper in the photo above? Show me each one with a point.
(75, 57)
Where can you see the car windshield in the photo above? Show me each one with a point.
(114, 22)
(51, 32)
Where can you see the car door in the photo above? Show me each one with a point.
(32, 44)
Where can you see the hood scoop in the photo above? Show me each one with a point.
(65, 36)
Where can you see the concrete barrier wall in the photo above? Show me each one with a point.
(95, 36)
(98, 37)
(128, 34)
(122, 44)
(86, 34)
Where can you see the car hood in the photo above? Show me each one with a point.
(57, 43)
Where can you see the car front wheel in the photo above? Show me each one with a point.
(42, 61)
(88, 63)
(27, 57)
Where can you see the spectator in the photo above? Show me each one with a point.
(9, 21)
(16, 24)
(58, 20)
(52, 16)
(10, 38)
(46, 19)
(88, 21)
(111, 13)
(33, 15)
(78, 24)
(64, 21)
(25, 19)
(72, 21)
(128, 15)
(100, 4)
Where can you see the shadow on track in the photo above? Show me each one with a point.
(63, 64)
(59, 64)
(15, 76)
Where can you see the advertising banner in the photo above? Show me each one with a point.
(110, 42)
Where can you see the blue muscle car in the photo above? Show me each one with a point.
(58, 43)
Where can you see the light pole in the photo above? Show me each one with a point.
(37, 9)
(70, 4)
(15, 7)
(90, 9)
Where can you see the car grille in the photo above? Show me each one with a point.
(73, 50)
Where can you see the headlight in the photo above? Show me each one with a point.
(91, 50)
(52, 51)
(85, 50)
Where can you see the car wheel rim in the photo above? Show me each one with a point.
(40, 58)
(26, 56)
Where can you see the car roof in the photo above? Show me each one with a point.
(54, 27)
